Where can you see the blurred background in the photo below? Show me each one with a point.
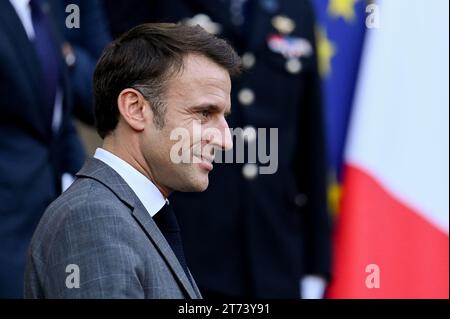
(359, 90)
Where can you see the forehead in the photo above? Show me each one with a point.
(200, 78)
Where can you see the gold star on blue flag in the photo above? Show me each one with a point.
(340, 36)
(342, 8)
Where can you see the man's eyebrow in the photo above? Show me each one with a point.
(211, 108)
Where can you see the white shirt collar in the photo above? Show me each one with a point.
(24, 13)
(20, 4)
(145, 190)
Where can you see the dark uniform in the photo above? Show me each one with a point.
(252, 234)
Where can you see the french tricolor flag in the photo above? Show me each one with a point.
(392, 234)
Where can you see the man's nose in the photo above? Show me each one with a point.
(223, 140)
(227, 140)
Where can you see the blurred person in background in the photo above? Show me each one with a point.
(269, 236)
(83, 47)
(42, 73)
(126, 14)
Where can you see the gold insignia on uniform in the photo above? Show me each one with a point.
(283, 24)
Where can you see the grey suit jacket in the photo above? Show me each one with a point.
(100, 233)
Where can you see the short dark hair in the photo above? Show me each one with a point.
(144, 58)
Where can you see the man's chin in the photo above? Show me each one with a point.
(200, 184)
(201, 187)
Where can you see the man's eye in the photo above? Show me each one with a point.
(205, 113)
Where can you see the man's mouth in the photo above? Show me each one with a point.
(205, 162)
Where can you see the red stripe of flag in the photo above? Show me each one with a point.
(376, 228)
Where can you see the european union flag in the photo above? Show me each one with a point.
(340, 36)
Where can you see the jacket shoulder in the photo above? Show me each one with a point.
(87, 194)
(86, 201)
(87, 226)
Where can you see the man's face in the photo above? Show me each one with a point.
(197, 101)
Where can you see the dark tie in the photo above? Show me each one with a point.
(167, 223)
(47, 53)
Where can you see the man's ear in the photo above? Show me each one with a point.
(133, 108)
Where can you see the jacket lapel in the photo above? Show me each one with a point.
(54, 12)
(23, 47)
(194, 284)
(152, 230)
(26, 53)
(104, 174)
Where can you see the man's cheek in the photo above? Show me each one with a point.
(180, 150)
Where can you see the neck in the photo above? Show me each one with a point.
(128, 153)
